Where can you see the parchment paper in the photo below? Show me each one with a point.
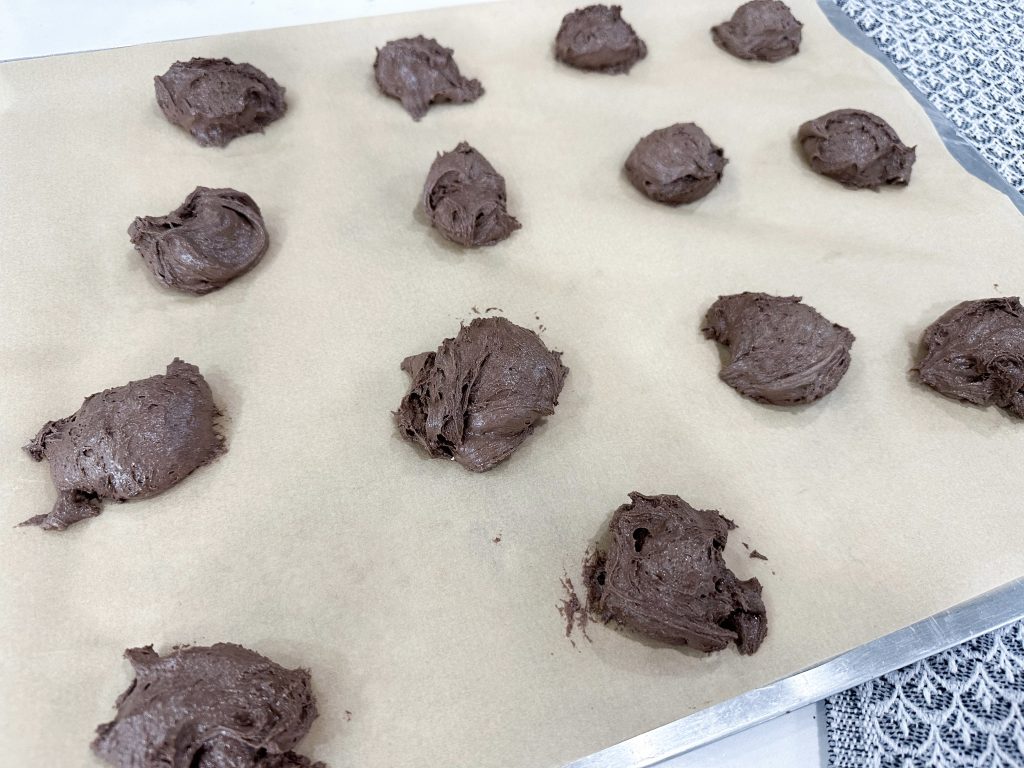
(324, 540)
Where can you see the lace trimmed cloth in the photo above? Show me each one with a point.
(967, 58)
(960, 708)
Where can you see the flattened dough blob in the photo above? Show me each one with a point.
(856, 148)
(598, 39)
(464, 198)
(676, 165)
(480, 395)
(217, 100)
(782, 351)
(418, 71)
(975, 352)
(209, 240)
(664, 576)
(761, 30)
(222, 706)
(129, 442)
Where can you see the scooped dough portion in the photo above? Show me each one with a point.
(598, 39)
(975, 352)
(676, 165)
(480, 395)
(418, 71)
(209, 240)
(782, 352)
(217, 100)
(857, 149)
(464, 198)
(126, 443)
(222, 706)
(762, 30)
(664, 576)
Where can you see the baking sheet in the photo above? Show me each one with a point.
(324, 540)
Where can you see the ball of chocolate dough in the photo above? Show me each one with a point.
(464, 198)
(782, 352)
(419, 72)
(209, 240)
(598, 39)
(975, 352)
(221, 706)
(675, 165)
(762, 30)
(130, 442)
(857, 149)
(217, 100)
(480, 395)
(664, 576)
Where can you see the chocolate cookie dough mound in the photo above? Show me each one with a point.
(129, 442)
(419, 72)
(664, 576)
(217, 100)
(857, 149)
(464, 198)
(596, 38)
(212, 238)
(762, 30)
(975, 352)
(783, 352)
(675, 165)
(479, 396)
(218, 707)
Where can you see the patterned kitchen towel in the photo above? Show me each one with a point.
(967, 58)
(963, 708)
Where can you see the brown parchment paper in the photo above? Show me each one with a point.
(324, 540)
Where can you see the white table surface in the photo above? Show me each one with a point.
(31, 28)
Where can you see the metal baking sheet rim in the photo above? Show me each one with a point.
(957, 625)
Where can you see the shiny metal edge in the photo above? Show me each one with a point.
(956, 625)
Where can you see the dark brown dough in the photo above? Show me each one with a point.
(664, 576)
(763, 30)
(481, 394)
(975, 352)
(782, 352)
(598, 39)
(217, 100)
(419, 72)
(218, 707)
(675, 165)
(212, 238)
(129, 442)
(464, 198)
(857, 149)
